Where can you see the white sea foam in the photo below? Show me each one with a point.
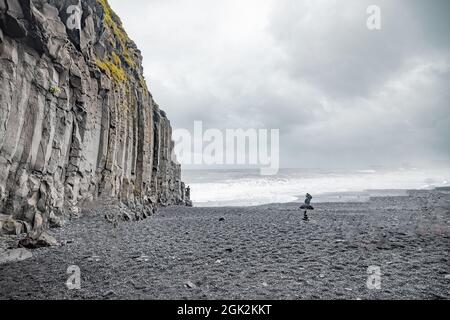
(247, 187)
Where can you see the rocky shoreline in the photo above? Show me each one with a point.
(264, 252)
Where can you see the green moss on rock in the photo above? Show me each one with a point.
(112, 21)
(110, 68)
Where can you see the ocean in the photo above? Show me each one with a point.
(212, 188)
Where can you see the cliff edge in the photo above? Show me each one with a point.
(77, 122)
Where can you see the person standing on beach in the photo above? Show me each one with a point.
(307, 206)
(188, 192)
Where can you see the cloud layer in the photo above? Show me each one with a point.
(340, 94)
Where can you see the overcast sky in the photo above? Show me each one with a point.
(340, 94)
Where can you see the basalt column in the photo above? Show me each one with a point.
(77, 122)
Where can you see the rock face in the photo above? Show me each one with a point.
(77, 121)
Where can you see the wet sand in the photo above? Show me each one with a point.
(264, 252)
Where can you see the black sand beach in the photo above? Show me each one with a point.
(264, 252)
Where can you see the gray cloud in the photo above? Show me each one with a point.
(341, 94)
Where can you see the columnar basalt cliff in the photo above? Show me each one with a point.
(77, 122)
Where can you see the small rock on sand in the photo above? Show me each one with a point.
(44, 240)
(109, 293)
(190, 285)
(15, 255)
(143, 258)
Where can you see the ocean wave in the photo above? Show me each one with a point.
(246, 188)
